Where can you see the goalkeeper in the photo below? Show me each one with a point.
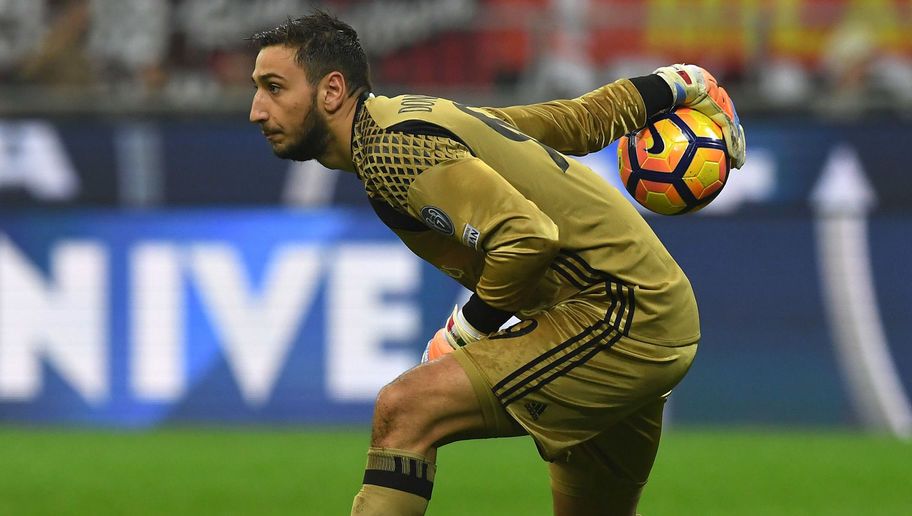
(608, 321)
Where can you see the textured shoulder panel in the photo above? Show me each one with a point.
(388, 158)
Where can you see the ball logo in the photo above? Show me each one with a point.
(658, 144)
(437, 220)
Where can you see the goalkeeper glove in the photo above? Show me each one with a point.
(456, 333)
(694, 87)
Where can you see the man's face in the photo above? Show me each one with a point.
(285, 106)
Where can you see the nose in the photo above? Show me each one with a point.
(258, 115)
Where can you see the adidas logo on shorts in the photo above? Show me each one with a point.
(535, 409)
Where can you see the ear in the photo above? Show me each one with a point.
(333, 91)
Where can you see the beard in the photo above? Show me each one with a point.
(313, 140)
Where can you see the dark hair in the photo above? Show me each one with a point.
(324, 44)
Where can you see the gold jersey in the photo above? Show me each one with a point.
(490, 197)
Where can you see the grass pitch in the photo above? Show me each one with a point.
(316, 472)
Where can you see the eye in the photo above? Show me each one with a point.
(273, 88)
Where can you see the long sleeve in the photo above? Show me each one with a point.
(582, 125)
(474, 206)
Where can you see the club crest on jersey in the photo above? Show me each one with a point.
(437, 220)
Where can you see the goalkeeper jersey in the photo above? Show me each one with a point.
(490, 197)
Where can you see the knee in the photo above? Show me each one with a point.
(397, 422)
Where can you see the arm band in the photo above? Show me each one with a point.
(656, 94)
(484, 317)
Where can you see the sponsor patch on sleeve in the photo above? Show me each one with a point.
(470, 236)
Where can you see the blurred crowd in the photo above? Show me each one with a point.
(841, 57)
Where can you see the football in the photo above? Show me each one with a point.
(676, 164)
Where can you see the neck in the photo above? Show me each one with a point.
(338, 155)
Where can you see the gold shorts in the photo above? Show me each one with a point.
(568, 376)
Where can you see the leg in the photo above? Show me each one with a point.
(426, 407)
(575, 385)
(605, 476)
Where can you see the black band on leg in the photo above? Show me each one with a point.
(402, 474)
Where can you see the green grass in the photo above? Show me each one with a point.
(310, 472)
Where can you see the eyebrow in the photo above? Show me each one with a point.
(265, 77)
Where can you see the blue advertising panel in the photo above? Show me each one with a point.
(138, 318)
(276, 316)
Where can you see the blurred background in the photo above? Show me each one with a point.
(160, 269)
(159, 265)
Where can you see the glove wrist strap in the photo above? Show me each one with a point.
(460, 330)
(465, 327)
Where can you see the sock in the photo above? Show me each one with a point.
(396, 483)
